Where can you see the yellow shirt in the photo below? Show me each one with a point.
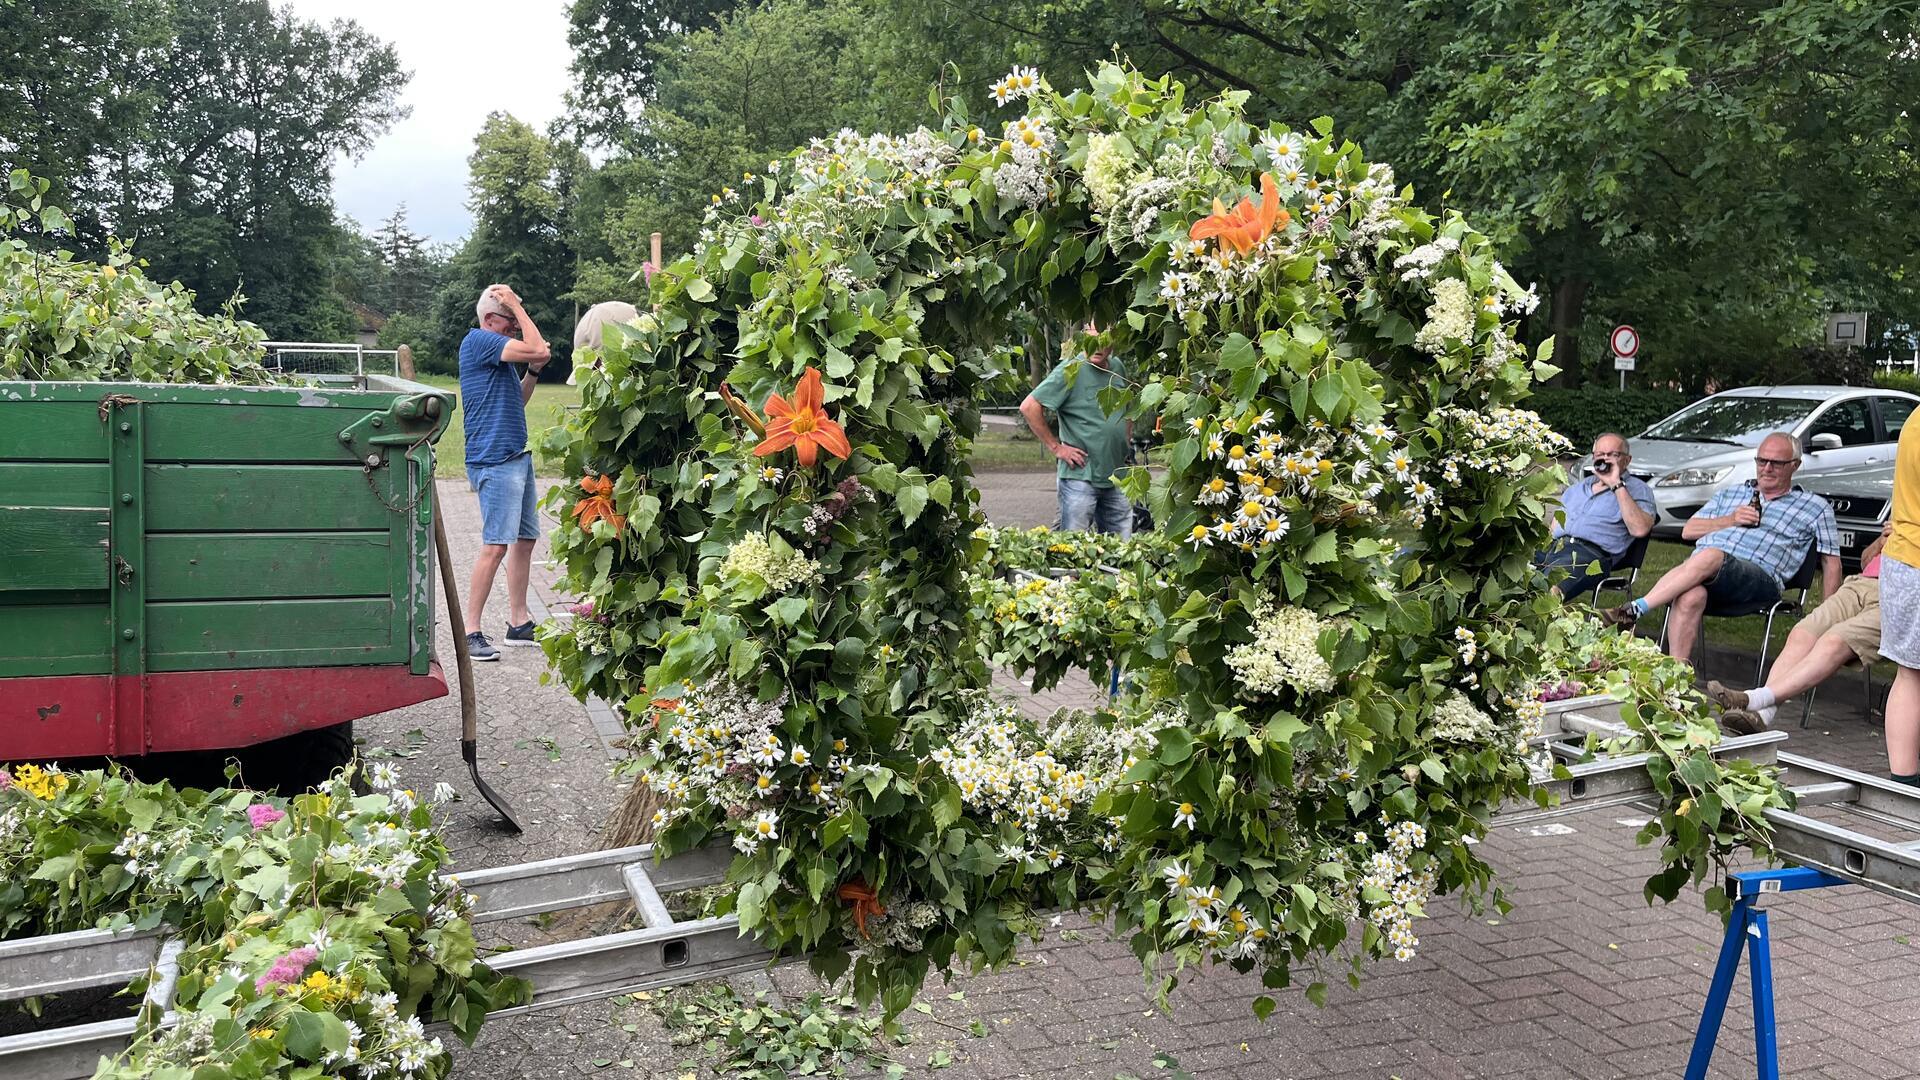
(1904, 544)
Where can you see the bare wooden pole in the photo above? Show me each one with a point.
(656, 250)
(403, 361)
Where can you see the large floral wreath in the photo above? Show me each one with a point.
(1339, 675)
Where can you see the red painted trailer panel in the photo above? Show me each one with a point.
(70, 716)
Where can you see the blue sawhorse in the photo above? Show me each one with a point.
(1748, 925)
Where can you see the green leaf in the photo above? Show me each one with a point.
(912, 499)
(312, 1035)
(1176, 745)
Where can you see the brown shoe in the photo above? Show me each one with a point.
(1621, 618)
(1728, 699)
(1742, 722)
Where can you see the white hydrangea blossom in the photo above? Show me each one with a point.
(1450, 317)
(1418, 264)
(1458, 719)
(1284, 654)
(753, 554)
(1109, 168)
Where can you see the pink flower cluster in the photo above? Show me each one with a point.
(584, 610)
(6, 779)
(262, 815)
(287, 970)
(1560, 691)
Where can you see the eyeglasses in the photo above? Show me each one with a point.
(1775, 463)
(1617, 454)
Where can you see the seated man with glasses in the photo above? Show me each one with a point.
(1605, 514)
(1750, 539)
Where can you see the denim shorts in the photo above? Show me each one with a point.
(1740, 588)
(508, 509)
(1087, 507)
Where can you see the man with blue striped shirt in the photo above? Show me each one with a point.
(500, 363)
(1743, 556)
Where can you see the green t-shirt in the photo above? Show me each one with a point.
(1082, 422)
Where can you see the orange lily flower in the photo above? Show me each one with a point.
(1245, 226)
(803, 425)
(864, 900)
(598, 504)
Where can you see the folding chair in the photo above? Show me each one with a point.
(1793, 600)
(1625, 573)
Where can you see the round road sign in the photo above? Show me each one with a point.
(1626, 341)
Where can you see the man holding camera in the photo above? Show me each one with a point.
(1605, 513)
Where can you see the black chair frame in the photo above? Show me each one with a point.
(1625, 573)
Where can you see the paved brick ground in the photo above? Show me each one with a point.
(1582, 979)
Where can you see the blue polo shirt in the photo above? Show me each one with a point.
(1595, 517)
(496, 418)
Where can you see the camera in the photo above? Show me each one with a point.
(1602, 467)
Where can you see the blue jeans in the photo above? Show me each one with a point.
(1087, 507)
(1740, 588)
(508, 509)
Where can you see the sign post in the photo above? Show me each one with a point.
(1625, 341)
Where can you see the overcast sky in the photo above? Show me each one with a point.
(467, 60)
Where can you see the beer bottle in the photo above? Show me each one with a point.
(1755, 504)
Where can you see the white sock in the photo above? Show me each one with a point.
(1766, 715)
(1761, 700)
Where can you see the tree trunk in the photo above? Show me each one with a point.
(1563, 326)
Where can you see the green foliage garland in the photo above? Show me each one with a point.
(63, 319)
(318, 931)
(1339, 679)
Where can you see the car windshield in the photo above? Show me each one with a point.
(1740, 421)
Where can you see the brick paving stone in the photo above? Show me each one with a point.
(1537, 993)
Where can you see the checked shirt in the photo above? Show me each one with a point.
(1778, 544)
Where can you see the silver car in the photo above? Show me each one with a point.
(1861, 497)
(1709, 444)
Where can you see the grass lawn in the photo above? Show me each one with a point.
(550, 403)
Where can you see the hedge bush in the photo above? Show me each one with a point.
(1897, 380)
(1583, 413)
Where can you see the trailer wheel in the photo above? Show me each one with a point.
(298, 762)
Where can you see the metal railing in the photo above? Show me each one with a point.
(328, 358)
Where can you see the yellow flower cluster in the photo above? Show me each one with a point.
(40, 783)
(1048, 601)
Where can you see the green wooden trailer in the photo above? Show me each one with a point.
(194, 568)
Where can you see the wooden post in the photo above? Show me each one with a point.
(403, 361)
(656, 251)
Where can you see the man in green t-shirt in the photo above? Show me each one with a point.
(1090, 444)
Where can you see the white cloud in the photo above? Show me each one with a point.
(467, 60)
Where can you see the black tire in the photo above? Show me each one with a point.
(299, 762)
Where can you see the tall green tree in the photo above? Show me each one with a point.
(613, 44)
(204, 130)
(519, 191)
(760, 81)
(1721, 175)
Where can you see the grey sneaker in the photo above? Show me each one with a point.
(479, 648)
(520, 636)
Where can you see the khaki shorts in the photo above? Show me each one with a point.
(1853, 613)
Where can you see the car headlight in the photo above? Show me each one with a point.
(1693, 477)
